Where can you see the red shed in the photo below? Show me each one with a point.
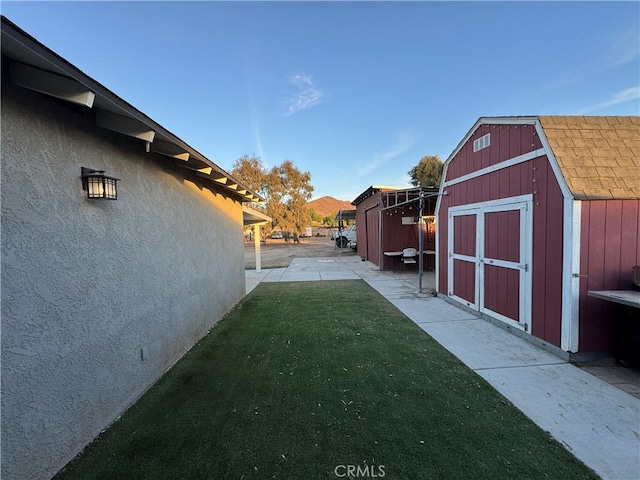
(387, 220)
(533, 213)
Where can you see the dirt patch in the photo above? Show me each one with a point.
(278, 253)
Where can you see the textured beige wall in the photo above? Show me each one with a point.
(87, 284)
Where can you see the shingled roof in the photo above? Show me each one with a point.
(599, 156)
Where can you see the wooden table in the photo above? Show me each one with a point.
(625, 352)
(393, 256)
(629, 298)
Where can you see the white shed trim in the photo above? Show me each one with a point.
(498, 166)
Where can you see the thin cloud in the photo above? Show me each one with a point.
(619, 97)
(402, 145)
(625, 48)
(306, 95)
(621, 50)
(257, 137)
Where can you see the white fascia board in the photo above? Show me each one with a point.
(438, 222)
(440, 191)
(125, 125)
(51, 84)
(254, 215)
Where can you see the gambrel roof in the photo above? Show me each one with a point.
(599, 157)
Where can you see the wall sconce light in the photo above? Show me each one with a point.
(98, 185)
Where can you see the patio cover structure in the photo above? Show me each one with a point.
(254, 218)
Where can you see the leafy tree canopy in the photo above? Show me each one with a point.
(330, 221)
(315, 216)
(428, 172)
(251, 171)
(285, 189)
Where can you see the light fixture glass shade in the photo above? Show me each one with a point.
(98, 185)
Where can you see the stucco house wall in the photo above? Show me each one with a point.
(87, 285)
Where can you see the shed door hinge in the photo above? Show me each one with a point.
(526, 327)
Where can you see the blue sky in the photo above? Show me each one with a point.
(353, 92)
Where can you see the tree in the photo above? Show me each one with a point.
(428, 172)
(315, 216)
(285, 189)
(288, 191)
(251, 171)
(330, 221)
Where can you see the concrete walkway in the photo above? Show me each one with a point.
(597, 422)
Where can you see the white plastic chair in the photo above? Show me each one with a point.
(409, 257)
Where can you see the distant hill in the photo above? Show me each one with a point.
(327, 205)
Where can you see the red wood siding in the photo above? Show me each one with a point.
(464, 285)
(367, 228)
(546, 314)
(395, 235)
(502, 235)
(480, 189)
(502, 291)
(372, 245)
(609, 247)
(507, 141)
(532, 177)
(464, 243)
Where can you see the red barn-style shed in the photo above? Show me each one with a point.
(533, 213)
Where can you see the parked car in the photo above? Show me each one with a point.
(343, 238)
(275, 235)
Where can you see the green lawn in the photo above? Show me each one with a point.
(304, 377)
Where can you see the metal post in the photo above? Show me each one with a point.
(380, 257)
(421, 242)
(340, 229)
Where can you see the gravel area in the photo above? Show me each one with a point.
(278, 253)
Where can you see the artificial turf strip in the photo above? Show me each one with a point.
(304, 377)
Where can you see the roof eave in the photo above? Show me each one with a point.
(21, 47)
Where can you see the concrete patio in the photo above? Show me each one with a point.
(598, 422)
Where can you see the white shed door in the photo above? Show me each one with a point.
(490, 258)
